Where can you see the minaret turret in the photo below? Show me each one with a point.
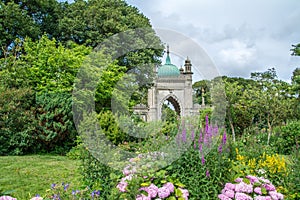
(188, 66)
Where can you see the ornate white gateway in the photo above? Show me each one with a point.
(173, 85)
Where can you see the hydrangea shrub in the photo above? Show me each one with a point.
(250, 188)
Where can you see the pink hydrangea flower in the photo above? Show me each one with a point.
(185, 193)
(269, 187)
(223, 197)
(252, 179)
(228, 193)
(129, 178)
(257, 190)
(243, 187)
(7, 198)
(170, 186)
(163, 192)
(230, 186)
(242, 190)
(275, 195)
(238, 180)
(262, 198)
(152, 190)
(242, 196)
(142, 197)
(122, 186)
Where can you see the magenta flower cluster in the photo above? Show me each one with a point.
(250, 188)
(162, 193)
(153, 192)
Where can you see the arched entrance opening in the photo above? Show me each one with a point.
(170, 110)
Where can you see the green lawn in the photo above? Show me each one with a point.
(31, 175)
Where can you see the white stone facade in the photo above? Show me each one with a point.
(177, 89)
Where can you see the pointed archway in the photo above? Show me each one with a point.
(175, 104)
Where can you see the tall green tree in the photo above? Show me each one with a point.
(90, 22)
(201, 90)
(24, 18)
(296, 81)
(271, 99)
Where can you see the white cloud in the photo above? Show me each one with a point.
(240, 36)
(239, 54)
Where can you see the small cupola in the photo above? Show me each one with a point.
(188, 65)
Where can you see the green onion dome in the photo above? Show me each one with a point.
(168, 69)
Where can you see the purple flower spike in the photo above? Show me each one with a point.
(220, 149)
(200, 137)
(206, 123)
(200, 148)
(207, 173)
(184, 135)
(224, 138)
(202, 160)
(193, 135)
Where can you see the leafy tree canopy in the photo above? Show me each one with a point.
(27, 18)
(296, 50)
(44, 65)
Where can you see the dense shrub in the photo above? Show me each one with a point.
(55, 129)
(109, 124)
(293, 183)
(288, 138)
(32, 123)
(17, 122)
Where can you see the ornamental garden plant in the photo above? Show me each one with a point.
(226, 172)
(250, 188)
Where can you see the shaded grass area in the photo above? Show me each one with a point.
(31, 175)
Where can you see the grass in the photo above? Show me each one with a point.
(31, 175)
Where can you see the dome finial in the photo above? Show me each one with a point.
(168, 59)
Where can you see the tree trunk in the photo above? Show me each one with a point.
(232, 128)
(270, 129)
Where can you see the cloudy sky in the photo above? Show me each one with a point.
(239, 36)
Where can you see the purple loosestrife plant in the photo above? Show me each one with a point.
(193, 135)
(207, 173)
(184, 135)
(202, 160)
(224, 138)
(250, 188)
